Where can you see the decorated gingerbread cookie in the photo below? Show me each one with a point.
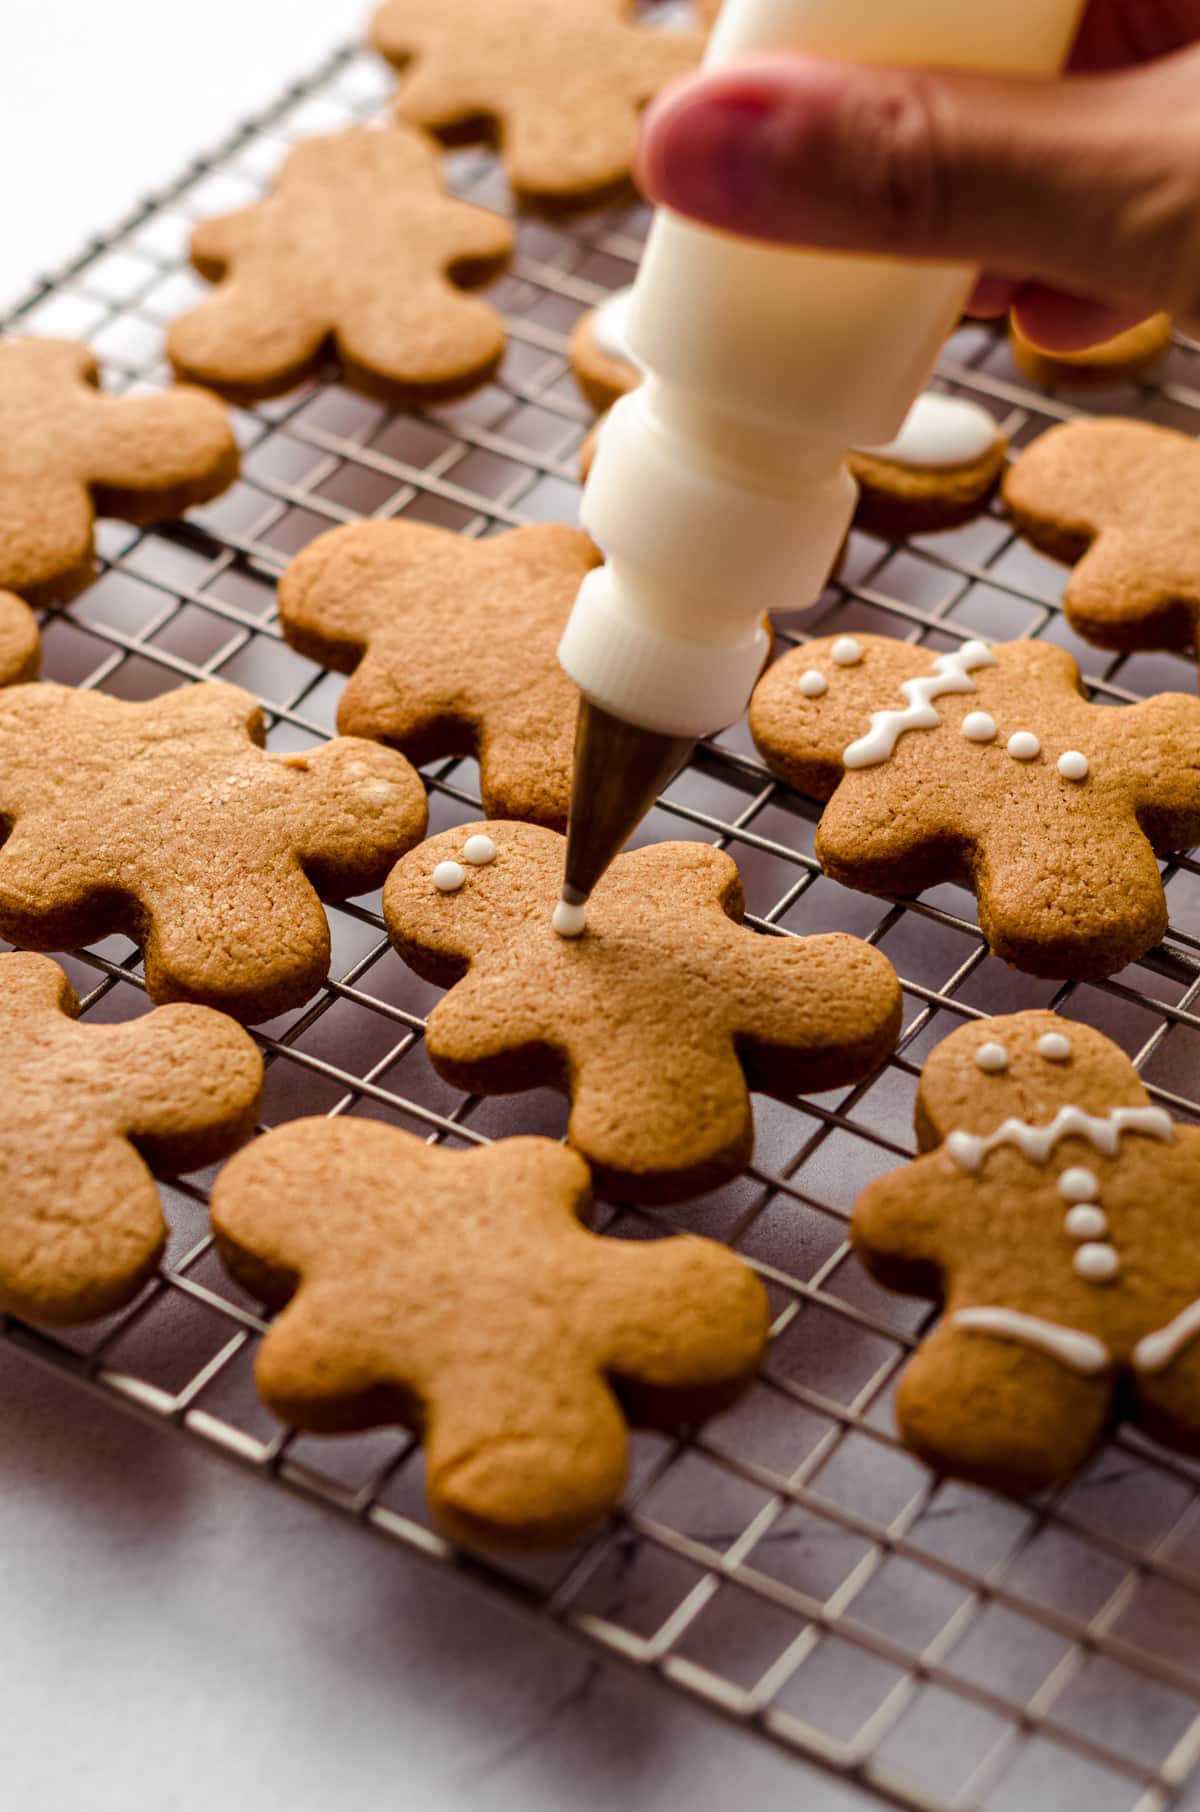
(1054, 1216)
(655, 1019)
(458, 1293)
(1121, 498)
(453, 645)
(1123, 360)
(90, 1111)
(167, 820)
(69, 453)
(561, 86)
(989, 766)
(359, 249)
(20, 643)
(940, 471)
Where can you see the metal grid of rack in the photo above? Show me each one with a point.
(790, 1567)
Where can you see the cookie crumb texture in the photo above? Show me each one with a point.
(459, 1293)
(655, 1022)
(90, 1111)
(453, 648)
(358, 248)
(168, 821)
(69, 453)
(1062, 861)
(561, 86)
(1056, 1319)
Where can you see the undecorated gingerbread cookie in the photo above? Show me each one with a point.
(1054, 1216)
(989, 766)
(90, 1111)
(453, 647)
(1122, 360)
(69, 453)
(654, 1020)
(459, 1294)
(358, 248)
(20, 642)
(167, 820)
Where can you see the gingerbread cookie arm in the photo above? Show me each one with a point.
(46, 547)
(431, 339)
(357, 808)
(152, 457)
(902, 1227)
(191, 1083)
(20, 642)
(343, 587)
(823, 1011)
(241, 342)
(1158, 743)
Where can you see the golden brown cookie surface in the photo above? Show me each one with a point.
(69, 453)
(1124, 359)
(989, 766)
(458, 1293)
(89, 1112)
(654, 1020)
(1054, 1215)
(20, 642)
(167, 820)
(358, 246)
(563, 85)
(453, 646)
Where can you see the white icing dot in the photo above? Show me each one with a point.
(813, 683)
(1073, 765)
(992, 1057)
(1024, 746)
(977, 726)
(1087, 1223)
(448, 877)
(941, 431)
(847, 652)
(1097, 1263)
(1054, 1047)
(479, 851)
(568, 920)
(1078, 1185)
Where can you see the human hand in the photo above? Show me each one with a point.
(1081, 198)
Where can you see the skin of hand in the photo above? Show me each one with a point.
(1079, 197)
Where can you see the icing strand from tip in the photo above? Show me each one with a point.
(951, 673)
(1157, 1351)
(968, 1150)
(1080, 1352)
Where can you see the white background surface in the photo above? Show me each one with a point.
(175, 1636)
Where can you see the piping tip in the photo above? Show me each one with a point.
(620, 769)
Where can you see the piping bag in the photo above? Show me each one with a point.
(719, 490)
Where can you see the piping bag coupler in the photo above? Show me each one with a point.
(719, 490)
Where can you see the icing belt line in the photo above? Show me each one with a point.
(1080, 1352)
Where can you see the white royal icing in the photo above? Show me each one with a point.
(568, 920)
(448, 877)
(940, 431)
(992, 1057)
(951, 673)
(813, 684)
(1078, 1351)
(1157, 1351)
(1054, 1047)
(1103, 1132)
(1097, 1263)
(479, 851)
(1024, 746)
(846, 651)
(610, 326)
(977, 726)
(1085, 1222)
(1078, 1185)
(1073, 766)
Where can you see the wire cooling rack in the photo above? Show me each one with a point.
(791, 1568)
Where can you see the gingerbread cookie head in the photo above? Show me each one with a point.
(1054, 1217)
(359, 247)
(453, 647)
(1125, 359)
(90, 1111)
(655, 1021)
(989, 766)
(69, 453)
(459, 1294)
(561, 85)
(20, 642)
(1121, 498)
(168, 820)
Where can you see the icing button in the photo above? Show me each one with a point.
(1024, 746)
(1097, 1263)
(1073, 765)
(448, 877)
(569, 921)
(1086, 1222)
(1054, 1047)
(813, 683)
(1078, 1185)
(977, 726)
(992, 1057)
(847, 652)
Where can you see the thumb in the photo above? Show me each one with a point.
(1091, 184)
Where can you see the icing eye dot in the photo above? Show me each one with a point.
(813, 683)
(992, 1057)
(1054, 1047)
(1073, 765)
(1097, 1263)
(1078, 1185)
(448, 877)
(1024, 746)
(479, 851)
(977, 726)
(568, 920)
(1087, 1223)
(847, 652)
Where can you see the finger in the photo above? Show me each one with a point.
(992, 297)
(1061, 323)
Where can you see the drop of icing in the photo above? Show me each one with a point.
(1087, 1223)
(1073, 765)
(992, 1057)
(479, 851)
(448, 877)
(1054, 1047)
(813, 683)
(1097, 1263)
(977, 726)
(1078, 1185)
(568, 920)
(1024, 746)
(940, 431)
(847, 652)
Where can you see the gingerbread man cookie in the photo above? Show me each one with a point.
(1055, 1218)
(654, 1020)
(561, 85)
(167, 820)
(69, 453)
(989, 766)
(459, 1294)
(20, 643)
(359, 248)
(453, 645)
(1123, 499)
(1125, 359)
(89, 1112)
